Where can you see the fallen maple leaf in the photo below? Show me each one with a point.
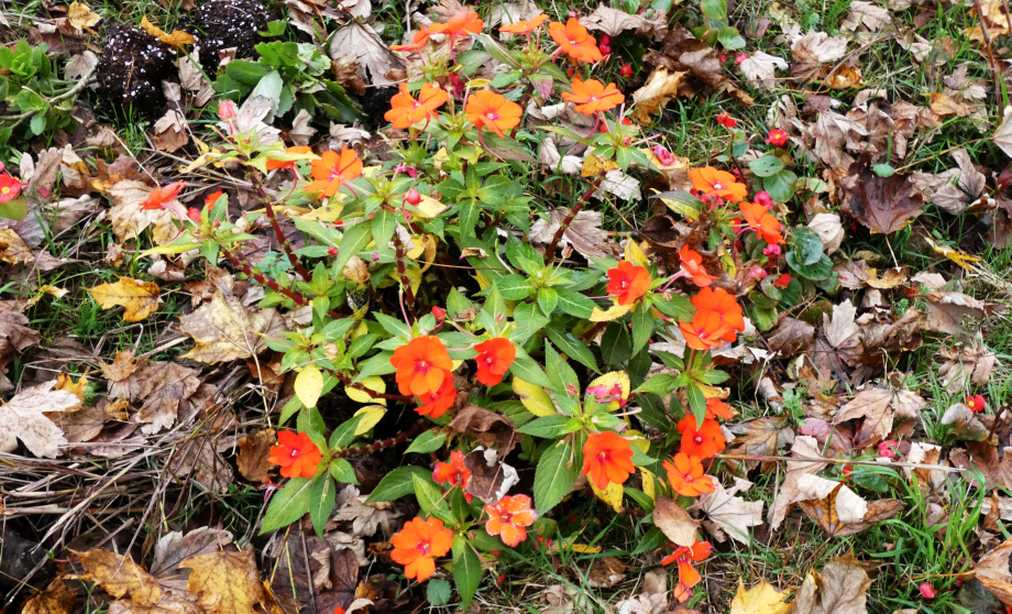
(841, 511)
(224, 329)
(228, 583)
(614, 22)
(993, 571)
(877, 408)
(252, 457)
(760, 599)
(138, 298)
(175, 547)
(170, 132)
(730, 513)
(119, 576)
(760, 69)
(661, 86)
(81, 16)
(868, 14)
(360, 43)
(23, 417)
(675, 522)
(840, 588)
(881, 204)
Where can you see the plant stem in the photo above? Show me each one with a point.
(278, 233)
(263, 279)
(402, 271)
(584, 198)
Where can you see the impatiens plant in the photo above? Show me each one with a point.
(425, 310)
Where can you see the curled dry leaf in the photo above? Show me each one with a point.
(170, 133)
(175, 547)
(760, 69)
(994, 571)
(966, 364)
(729, 513)
(24, 418)
(841, 511)
(877, 409)
(839, 588)
(228, 583)
(118, 576)
(224, 329)
(252, 457)
(829, 229)
(1002, 137)
(675, 522)
(614, 22)
(584, 233)
(868, 15)
(139, 299)
(661, 86)
(488, 428)
(791, 337)
(360, 43)
(881, 204)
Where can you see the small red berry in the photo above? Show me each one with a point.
(740, 57)
(439, 313)
(783, 280)
(626, 70)
(331, 251)
(762, 197)
(412, 197)
(722, 57)
(927, 590)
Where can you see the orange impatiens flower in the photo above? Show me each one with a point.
(525, 26)
(418, 544)
(494, 359)
(761, 222)
(718, 319)
(714, 182)
(332, 170)
(159, 197)
(700, 440)
(686, 476)
(575, 41)
(453, 472)
(509, 519)
(627, 282)
(607, 458)
(592, 96)
(406, 111)
(462, 24)
(692, 267)
(684, 557)
(422, 364)
(273, 165)
(296, 454)
(435, 404)
(490, 111)
(418, 40)
(717, 409)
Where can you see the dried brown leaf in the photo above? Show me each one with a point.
(675, 522)
(840, 588)
(877, 409)
(881, 204)
(118, 576)
(252, 457)
(488, 428)
(23, 417)
(228, 583)
(224, 329)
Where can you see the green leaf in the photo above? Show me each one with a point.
(616, 345)
(571, 346)
(883, 170)
(430, 499)
(466, 570)
(806, 247)
(287, 505)
(397, 483)
(548, 300)
(342, 471)
(437, 592)
(554, 476)
(16, 209)
(561, 376)
(678, 307)
(523, 256)
(393, 326)
(514, 287)
(383, 226)
(322, 495)
(766, 166)
(781, 185)
(355, 239)
(697, 402)
(642, 327)
(429, 441)
(660, 384)
(730, 38)
(527, 369)
(550, 427)
(574, 303)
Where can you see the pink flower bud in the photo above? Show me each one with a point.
(763, 198)
(227, 110)
(927, 590)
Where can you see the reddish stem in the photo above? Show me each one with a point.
(263, 279)
(584, 198)
(402, 273)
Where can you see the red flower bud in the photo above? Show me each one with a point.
(927, 590)
(331, 251)
(626, 70)
(412, 197)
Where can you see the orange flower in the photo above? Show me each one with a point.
(718, 318)
(575, 41)
(405, 111)
(418, 40)
(684, 557)
(422, 364)
(702, 441)
(454, 472)
(462, 24)
(159, 197)
(273, 165)
(607, 458)
(435, 404)
(711, 181)
(761, 222)
(494, 359)
(715, 408)
(686, 475)
(488, 110)
(296, 454)
(627, 282)
(10, 187)
(509, 519)
(592, 96)
(525, 26)
(417, 545)
(692, 267)
(332, 169)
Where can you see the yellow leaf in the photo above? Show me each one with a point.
(374, 383)
(429, 207)
(138, 298)
(227, 582)
(614, 312)
(634, 253)
(660, 87)
(596, 165)
(371, 415)
(177, 38)
(649, 481)
(610, 389)
(760, 599)
(534, 398)
(585, 549)
(81, 16)
(612, 495)
(119, 576)
(309, 385)
(66, 382)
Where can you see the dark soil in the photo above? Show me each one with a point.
(223, 24)
(132, 68)
(375, 103)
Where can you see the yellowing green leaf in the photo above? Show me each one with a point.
(374, 383)
(534, 398)
(612, 495)
(612, 387)
(371, 415)
(760, 599)
(138, 298)
(635, 254)
(614, 312)
(309, 385)
(429, 207)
